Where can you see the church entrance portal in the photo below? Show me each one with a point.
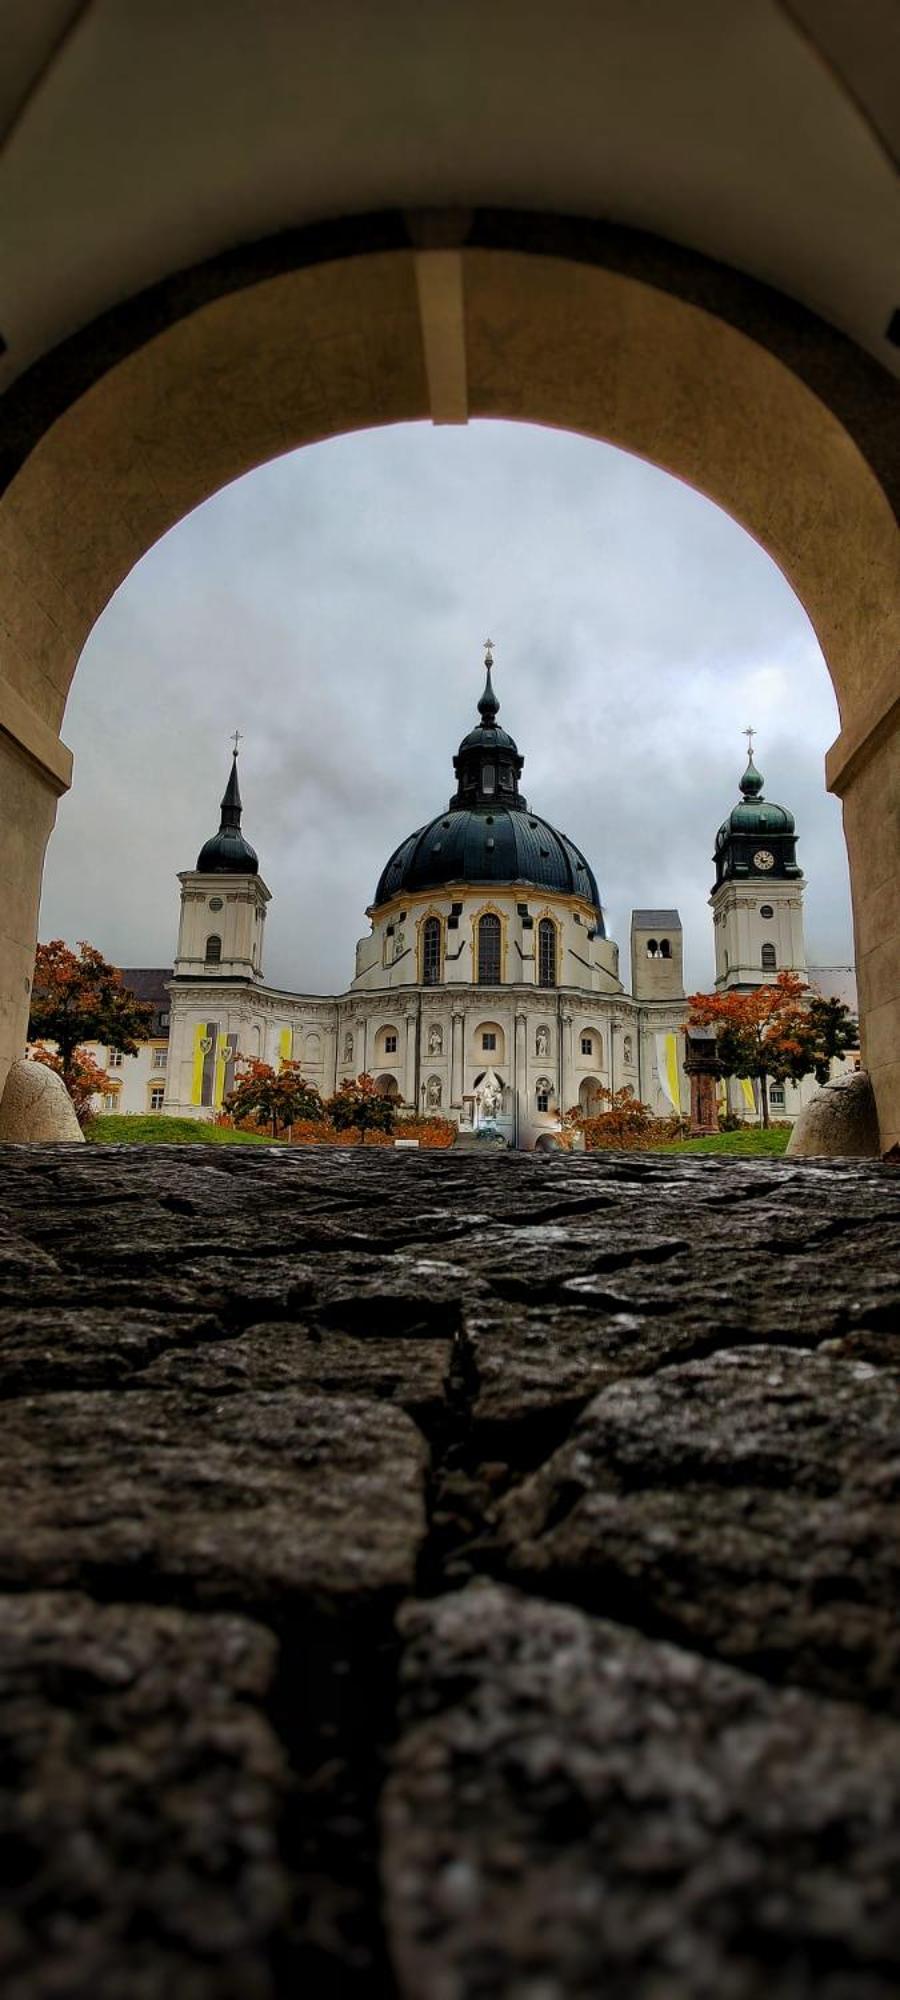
(118, 436)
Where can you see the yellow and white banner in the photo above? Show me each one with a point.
(285, 1046)
(748, 1093)
(669, 1069)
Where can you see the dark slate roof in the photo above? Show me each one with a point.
(643, 920)
(147, 982)
(490, 847)
(228, 853)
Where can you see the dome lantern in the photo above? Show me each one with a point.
(758, 838)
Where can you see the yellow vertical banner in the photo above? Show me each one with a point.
(667, 1068)
(748, 1093)
(199, 1050)
(286, 1046)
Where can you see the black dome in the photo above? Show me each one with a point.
(228, 853)
(487, 834)
(489, 846)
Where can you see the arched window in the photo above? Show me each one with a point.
(431, 951)
(546, 952)
(652, 948)
(665, 949)
(214, 950)
(489, 950)
(768, 958)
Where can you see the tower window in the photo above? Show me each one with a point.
(488, 777)
(546, 952)
(587, 1046)
(768, 958)
(390, 1045)
(665, 949)
(214, 950)
(488, 1041)
(766, 910)
(431, 951)
(489, 950)
(652, 948)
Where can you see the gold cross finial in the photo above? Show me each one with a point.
(236, 739)
(488, 648)
(749, 733)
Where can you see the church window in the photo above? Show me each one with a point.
(665, 949)
(160, 1057)
(587, 1045)
(390, 1045)
(652, 948)
(156, 1096)
(766, 910)
(431, 951)
(488, 777)
(768, 959)
(544, 1093)
(488, 1041)
(214, 950)
(546, 952)
(114, 1059)
(489, 950)
(627, 1050)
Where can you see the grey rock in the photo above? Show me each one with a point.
(251, 1501)
(284, 1357)
(577, 1810)
(748, 1505)
(140, 1796)
(841, 1120)
(36, 1107)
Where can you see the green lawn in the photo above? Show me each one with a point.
(751, 1144)
(130, 1129)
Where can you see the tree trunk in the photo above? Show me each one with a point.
(764, 1099)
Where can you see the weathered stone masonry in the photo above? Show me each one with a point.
(448, 1576)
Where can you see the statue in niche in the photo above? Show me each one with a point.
(433, 1093)
(435, 1040)
(348, 1048)
(490, 1098)
(542, 1042)
(399, 944)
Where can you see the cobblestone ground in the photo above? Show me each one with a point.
(448, 1577)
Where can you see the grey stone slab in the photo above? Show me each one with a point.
(748, 1504)
(83, 1347)
(140, 1793)
(575, 1810)
(257, 1500)
(285, 1357)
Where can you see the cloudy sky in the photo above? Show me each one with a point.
(332, 606)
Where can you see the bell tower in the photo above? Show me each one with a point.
(223, 902)
(757, 898)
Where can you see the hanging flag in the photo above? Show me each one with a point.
(668, 1068)
(748, 1092)
(285, 1046)
(203, 1066)
(226, 1050)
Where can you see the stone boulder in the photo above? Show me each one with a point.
(840, 1121)
(36, 1107)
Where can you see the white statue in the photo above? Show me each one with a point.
(433, 1092)
(435, 1040)
(348, 1048)
(542, 1042)
(490, 1097)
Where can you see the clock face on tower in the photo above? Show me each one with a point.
(763, 859)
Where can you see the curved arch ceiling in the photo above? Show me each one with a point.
(145, 138)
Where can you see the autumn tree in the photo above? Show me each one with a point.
(276, 1097)
(831, 1032)
(361, 1105)
(79, 998)
(84, 1079)
(762, 1033)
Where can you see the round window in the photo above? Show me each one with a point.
(215, 902)
(766, 910)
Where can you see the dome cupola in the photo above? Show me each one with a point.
(228, 853)
(488, 835)
(758, 837)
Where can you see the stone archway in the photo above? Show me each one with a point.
(126, 449)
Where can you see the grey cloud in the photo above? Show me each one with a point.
(332, 605)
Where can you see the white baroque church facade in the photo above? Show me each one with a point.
(486, 990)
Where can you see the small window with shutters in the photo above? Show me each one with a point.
(769, 960)
(214, 950)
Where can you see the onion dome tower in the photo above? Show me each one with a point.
(223, 901)
(757, 898)
(488, 836)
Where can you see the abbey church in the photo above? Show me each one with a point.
(486, 989)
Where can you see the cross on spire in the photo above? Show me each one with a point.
(488, 649)
(236, 739)
(749, 733)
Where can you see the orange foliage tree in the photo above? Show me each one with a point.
(624, 1122)
(82, 998)
(764, 1033)
(275, 1097)
(361, 1106)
